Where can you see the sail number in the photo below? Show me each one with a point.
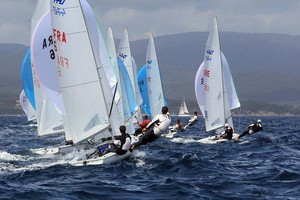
(206, 87)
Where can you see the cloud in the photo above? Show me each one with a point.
(166, 17)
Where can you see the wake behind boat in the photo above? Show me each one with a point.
(214, 88)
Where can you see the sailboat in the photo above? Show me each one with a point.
(91, 114)
(183, 111)
(214, 88)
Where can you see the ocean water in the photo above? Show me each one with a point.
(265, 165)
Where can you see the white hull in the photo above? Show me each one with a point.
(91, 156)
(108, 158)
(216, 139)
(170, 134)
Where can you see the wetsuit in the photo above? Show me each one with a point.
(228, 133)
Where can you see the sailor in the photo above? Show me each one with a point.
(228, 132)
(121, 143)
(142, 126)
(192, 120)
(177, 127)
(252, 128)
(155, 128)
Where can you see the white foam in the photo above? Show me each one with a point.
(11, 157)
(182, 140)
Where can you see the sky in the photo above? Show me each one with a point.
(164, 17)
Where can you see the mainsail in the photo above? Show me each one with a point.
(155, 88)
(124, 54)
(85, 89)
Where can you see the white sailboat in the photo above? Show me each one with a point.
(155, 87)
(183, 110)
(214, 88)
(87, 96)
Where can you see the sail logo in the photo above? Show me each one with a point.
(59, 11)
(149, 62)
(124, 56)
(59, 36)
(210, 51)
(59, 1)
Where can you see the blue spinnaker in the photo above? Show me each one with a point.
(143, 86)
(127, 90)
(27, 79)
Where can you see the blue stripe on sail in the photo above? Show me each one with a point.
(129, 92)
(143, 86)
(27, 79)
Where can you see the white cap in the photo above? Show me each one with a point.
(226, 125)
(258, 121)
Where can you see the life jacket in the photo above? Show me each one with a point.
(256, 128)
(179, 126)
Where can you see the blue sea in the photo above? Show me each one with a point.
(265, 165)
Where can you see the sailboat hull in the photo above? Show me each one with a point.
(216, 139)
(91, 156)
(108, 158)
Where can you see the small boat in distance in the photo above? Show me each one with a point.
(183, 111)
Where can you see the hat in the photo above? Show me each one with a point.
(258, 121)
(226, 125)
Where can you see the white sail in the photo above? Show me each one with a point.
(114, 62)
(27, 107)
(124, 54)
(214, 87)
(86, 92)
(99, 44)
(183, 110)
(155, 88)
(122, 103)
(49, 121)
